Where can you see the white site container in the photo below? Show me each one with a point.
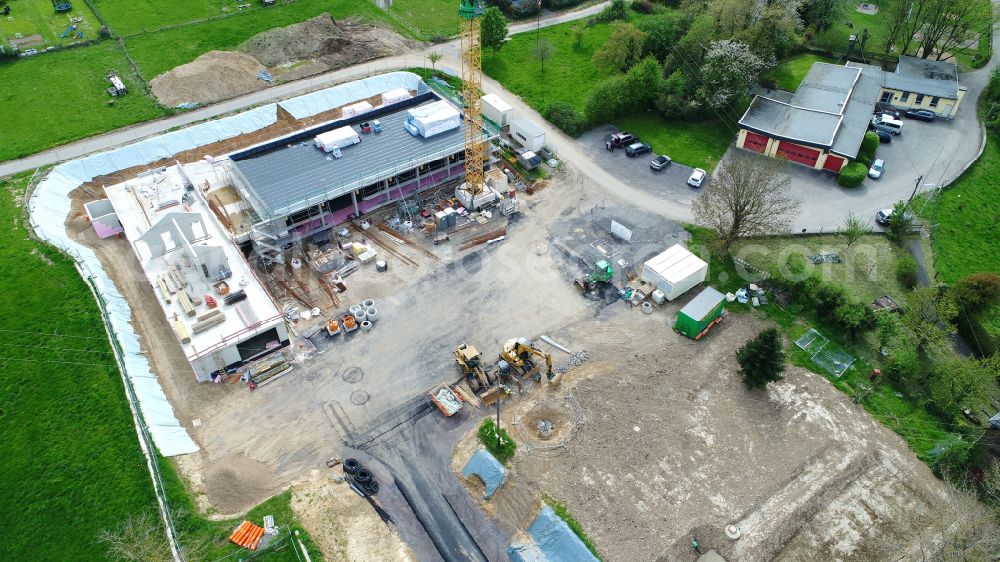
(356, 109)
(674, 271)
(527, 134)
(497, 110)
(395, 96)
(433, 119)
(337, 138)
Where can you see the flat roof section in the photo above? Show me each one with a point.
(795, 124)
(857, 115)
(291, 174)
(826, 87)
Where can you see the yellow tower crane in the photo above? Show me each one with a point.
(469, 12)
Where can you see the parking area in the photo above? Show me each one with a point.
(669, 183)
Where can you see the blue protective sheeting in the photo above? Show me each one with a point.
(488, 469)
(552, 541)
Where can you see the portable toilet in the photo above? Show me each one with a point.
(703, 312)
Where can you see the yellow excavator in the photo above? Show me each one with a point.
(517, 353)
(481, 381)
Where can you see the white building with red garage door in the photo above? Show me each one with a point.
(821, 125)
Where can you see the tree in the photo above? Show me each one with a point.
(821, 14)
(854, 228)
(139, 538)
(622, 50)
(762, 359)
(979, 291)
(662, 32)
(622, 94)
(493, 29)
(542, 51)
(747, 196)
(729, 70)
(949, 24)
(928, 316)
(900, 222)
(959, 383)
(614, 11)
(894, 14)
(434, 57)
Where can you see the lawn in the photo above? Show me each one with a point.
(898, 408)
(37, 16)
(432, 18)
(127, 17)
(853, 22)
(158, 52)
(569, 75)
(72, 464)
(788, 74)
(699, 145)
(55, 98)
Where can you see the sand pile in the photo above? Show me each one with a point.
(214, 76)
(332, 43)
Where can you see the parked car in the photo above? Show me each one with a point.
(885, 215)
(881, 108)
(638, 149)
(878, 166)
(697, 177)
(622, 138)
(883, 136)
(887, 124)
(921, 114)
(660, 162)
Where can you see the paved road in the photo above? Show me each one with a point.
(125, 135)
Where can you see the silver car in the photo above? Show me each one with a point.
(875, 172)
(697, 177)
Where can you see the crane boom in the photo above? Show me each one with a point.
(469, 12)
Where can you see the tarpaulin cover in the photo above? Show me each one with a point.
(344, 136)
(552, 541)
(488, 468)
(433, 119)
(343, 94)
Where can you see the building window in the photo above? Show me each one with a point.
(919, 100)
(904, 97)
(886, 97)
(934, 101)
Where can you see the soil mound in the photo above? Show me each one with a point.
(214, 76)
(333, 43)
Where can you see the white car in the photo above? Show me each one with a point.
(697, 177)
(875, 172)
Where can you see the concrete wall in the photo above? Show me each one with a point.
(945, 107)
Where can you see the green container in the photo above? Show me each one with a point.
(700, 312)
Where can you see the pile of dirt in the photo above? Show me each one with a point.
(214, 76)
(332, 43)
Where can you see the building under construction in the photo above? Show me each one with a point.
(385, 149)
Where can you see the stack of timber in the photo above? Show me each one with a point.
(208, 320)
(269, 369)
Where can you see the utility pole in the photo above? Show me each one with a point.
(498, 410)
(915, 188)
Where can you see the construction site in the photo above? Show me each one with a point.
(334, 291)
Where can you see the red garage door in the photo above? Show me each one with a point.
(755, 142)
(833, 163)
(797, 153)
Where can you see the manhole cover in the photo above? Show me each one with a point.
(541, 248)
(353, 375)
(359, 397)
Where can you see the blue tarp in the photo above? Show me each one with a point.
(488, 468)
(552, 541)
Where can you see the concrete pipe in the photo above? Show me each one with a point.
(366, 326)
(372, 313)
(354, 308)
(367, 303)
(360, 316)
(647, 308)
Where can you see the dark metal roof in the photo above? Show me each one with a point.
(857, 115)
(700, 306)
(788, 122)
(292, 173)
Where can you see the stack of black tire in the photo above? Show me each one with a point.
(363, 482)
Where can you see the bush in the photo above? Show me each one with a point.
(906, 271)
(970, 327)
(902, 365)
(852, 175)
(624, 93)
(643, 6)
(565, 116)
(504, 451)
(762, 359)
(854, 317)
(869, 144)
(615, 11)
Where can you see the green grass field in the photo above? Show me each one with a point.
(699, 145)
(59, 97)
(788, 74)
(156, 53)
(835, 39)
(430, 17)
(568, 76)
(127, 17)
(72, 464)
(28, 17)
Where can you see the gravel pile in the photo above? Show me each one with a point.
(214, 76)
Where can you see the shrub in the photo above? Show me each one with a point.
(565, 116)
(505, 449)
(852, 174)
(762, 359)
(902, 365)
(615, 11)
(979, 291)
(827, 297)
(854, 317)
(643, 6)
(970, 327)
(906, 271)
(869, 144)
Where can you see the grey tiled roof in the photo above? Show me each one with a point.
(783, 121)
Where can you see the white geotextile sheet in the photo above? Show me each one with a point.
(337, 96)
(50, 206)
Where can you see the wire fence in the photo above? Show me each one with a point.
(275, 548)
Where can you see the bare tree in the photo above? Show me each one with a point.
(139, 538)
(542, 51)
(747, 196)
(854, 228)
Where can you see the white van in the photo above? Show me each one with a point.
(888, 124)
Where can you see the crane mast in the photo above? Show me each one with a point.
(469, 12)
